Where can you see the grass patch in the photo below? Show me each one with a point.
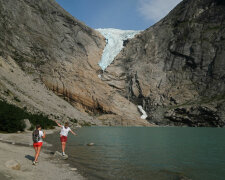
(11, 118)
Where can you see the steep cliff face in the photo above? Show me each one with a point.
(176, 68)
(52, 47)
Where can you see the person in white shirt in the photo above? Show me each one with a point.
(38, 136)
(63, 135)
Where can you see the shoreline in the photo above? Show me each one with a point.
(19, 147)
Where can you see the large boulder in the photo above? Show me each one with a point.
(27, 124)
(13, 164)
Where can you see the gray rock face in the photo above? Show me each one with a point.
(37, 33)
(176, 68)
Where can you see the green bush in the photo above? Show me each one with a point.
(11, 118)
(73, 120)
(10, 123)
(42, 120)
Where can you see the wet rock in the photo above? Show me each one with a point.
(90, 144)
(59, 156)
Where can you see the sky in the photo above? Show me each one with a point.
(119, 14)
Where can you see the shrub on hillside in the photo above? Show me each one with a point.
(11, 118)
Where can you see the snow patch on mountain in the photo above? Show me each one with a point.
(144, 114)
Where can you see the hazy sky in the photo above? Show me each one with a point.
(120, 14)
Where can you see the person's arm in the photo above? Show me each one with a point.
(73, 133)
(44, 135)
(58, 124)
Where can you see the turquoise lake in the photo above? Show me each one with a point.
(158, 153)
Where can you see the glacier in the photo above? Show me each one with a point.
(114, 44)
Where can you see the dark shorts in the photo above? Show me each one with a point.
(38, 144)
(63, 138)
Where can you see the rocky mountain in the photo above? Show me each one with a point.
(43, 49)
(176, 68)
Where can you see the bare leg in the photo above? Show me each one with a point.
(63, 146)
(35, 148)
(37, 153)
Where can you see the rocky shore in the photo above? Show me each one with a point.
(16, 154)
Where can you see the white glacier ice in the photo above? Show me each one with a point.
(114, 44)
(144, 115)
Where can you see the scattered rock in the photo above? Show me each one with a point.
(90, 144)
(13, 164)
(73, 169)
(66, 165)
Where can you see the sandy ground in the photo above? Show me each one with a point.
(48, 167)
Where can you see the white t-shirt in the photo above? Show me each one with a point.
(40, 135)
(64, 131)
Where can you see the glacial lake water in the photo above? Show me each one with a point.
(139, 153)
